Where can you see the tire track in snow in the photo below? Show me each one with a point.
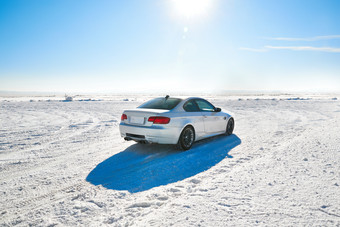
(29, 205)
(10, 174)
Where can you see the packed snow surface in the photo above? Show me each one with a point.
(64, 163)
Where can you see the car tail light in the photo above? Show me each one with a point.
(124, 117)
(159, 120)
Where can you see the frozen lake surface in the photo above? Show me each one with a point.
(64, 163)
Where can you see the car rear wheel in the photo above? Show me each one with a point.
(186, 138)
(230, 126)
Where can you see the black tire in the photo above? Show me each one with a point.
(186, 139)
(230, 126)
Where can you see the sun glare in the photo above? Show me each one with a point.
(192, 8)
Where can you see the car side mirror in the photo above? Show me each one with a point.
(217, 109)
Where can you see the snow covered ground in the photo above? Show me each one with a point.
(64, 163)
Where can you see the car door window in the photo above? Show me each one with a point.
(191, 106)
(205, 106)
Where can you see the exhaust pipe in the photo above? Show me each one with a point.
(139, 141)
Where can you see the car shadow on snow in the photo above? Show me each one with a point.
(141, 167)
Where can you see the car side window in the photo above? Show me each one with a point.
(191, 106)
(205, 106)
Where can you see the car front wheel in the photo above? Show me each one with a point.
(230, 126)
(186, 138)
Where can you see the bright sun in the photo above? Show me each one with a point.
(191, 8)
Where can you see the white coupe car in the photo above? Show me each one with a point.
(169, 120)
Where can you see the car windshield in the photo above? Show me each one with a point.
(161, 103)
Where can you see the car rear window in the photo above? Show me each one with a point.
(161, 103)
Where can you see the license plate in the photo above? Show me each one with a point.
(137, 120)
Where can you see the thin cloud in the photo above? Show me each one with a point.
(253, 49)
(305, 48)
(316, 38)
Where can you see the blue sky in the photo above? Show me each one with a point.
(163, 45)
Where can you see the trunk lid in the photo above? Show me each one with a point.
(140, 116)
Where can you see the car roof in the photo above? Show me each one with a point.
(183, 97)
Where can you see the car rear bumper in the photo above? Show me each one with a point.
(152, 134)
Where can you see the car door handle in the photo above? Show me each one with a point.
(204, 116)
